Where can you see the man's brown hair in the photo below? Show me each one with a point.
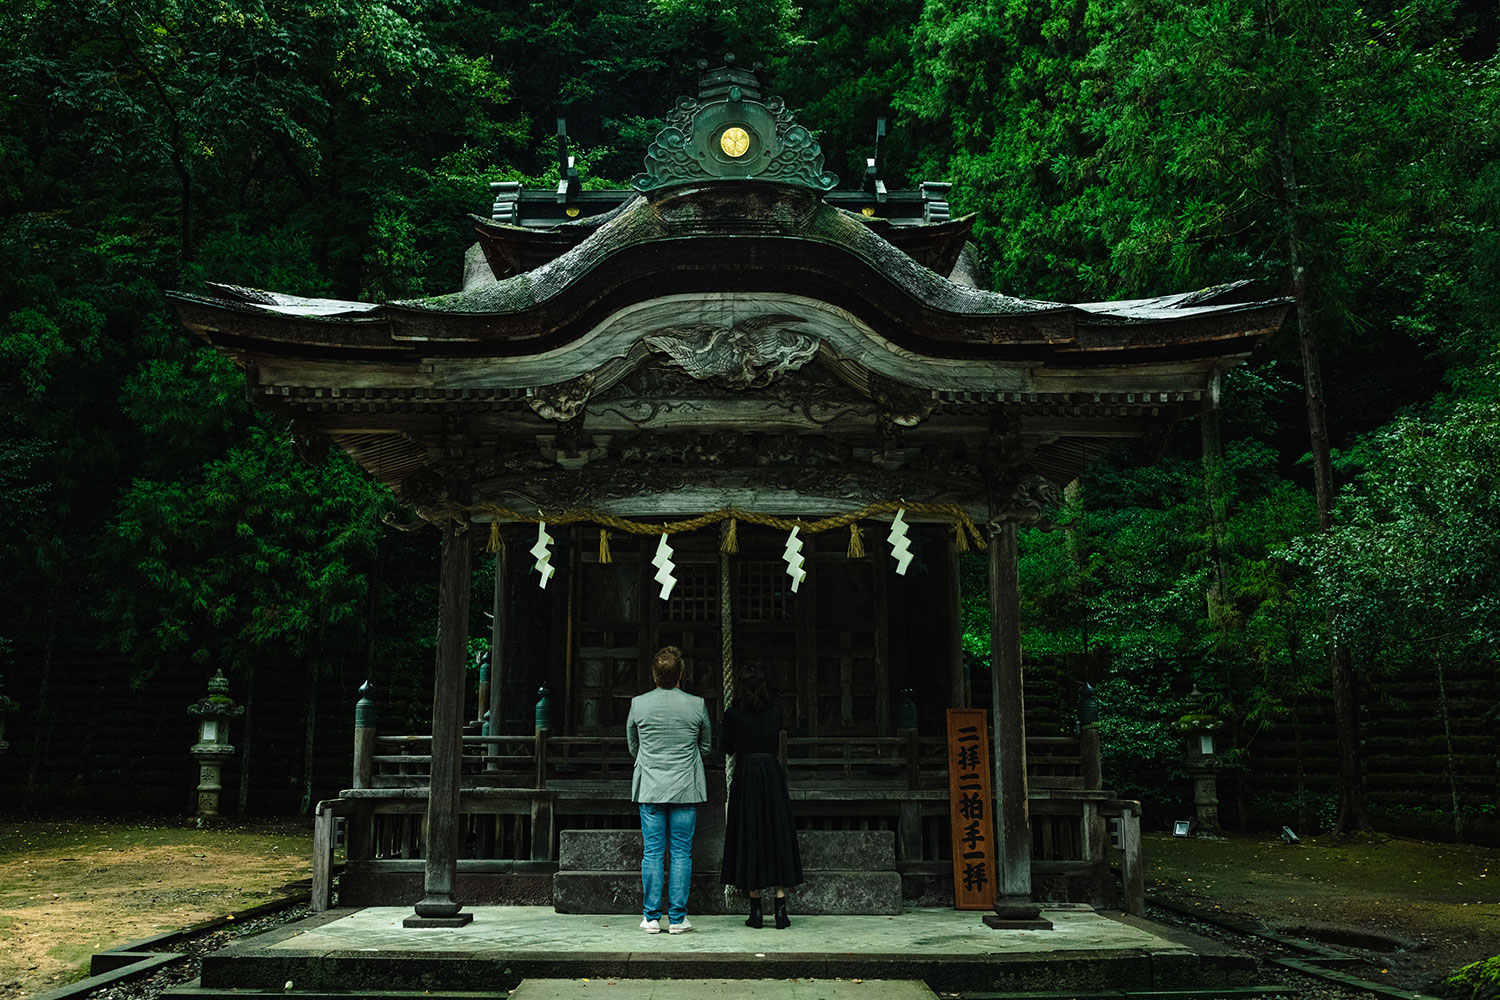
(666, 669)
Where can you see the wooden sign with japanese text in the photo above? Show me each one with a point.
(971, 809)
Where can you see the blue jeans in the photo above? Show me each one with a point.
(659, 821)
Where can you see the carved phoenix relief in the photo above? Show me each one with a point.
(748, 355)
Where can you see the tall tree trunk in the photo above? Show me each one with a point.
(372, 606)
(1458, 813)
(247, 741)
(1073, 495)
(1301, 765)
(1352, 812)
(1213, 456)
(42, 737)
(1212, 461)
(307, 743)
(1293, 644)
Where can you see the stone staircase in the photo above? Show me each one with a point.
(846, 872)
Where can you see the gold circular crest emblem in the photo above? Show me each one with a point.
(734, 141)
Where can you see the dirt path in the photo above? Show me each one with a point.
(68, 890)
(1438, 905)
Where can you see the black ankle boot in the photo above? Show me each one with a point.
(782, 920)
(755, 919)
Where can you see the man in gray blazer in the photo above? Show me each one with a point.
(667, 733)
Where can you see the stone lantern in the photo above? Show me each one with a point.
(1201, 755)
(212, 749)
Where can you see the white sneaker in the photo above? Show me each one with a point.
(681, 928)
(651, 926)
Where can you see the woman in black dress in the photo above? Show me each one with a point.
(760, 843)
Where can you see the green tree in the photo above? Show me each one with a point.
(1412, 569)
(1246, 138)
(1002, 96)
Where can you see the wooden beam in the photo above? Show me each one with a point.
(697, 494)
(438, 908)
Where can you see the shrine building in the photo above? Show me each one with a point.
(736, 409)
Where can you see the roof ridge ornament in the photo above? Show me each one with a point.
(729, 134)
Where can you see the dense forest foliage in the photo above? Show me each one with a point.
(1347, 153)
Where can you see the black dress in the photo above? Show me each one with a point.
(760, 843)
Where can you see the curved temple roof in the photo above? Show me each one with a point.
(760, 242)
(735, 280)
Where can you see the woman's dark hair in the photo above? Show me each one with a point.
(751, 691)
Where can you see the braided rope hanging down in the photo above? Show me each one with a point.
(726, 658)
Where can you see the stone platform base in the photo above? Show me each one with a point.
(478, 883)
(369, 950)
(846, 871)
(821, 850)
(823, 893)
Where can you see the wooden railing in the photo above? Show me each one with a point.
(518, 790)
(909, 761)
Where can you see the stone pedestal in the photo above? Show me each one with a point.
(1206, 798)
(210, 764)
(1016, 913)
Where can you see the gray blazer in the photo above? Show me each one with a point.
(667, 733)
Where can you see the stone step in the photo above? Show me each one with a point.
(824, 892)
(693, 989)
(194, 991)
(822, 850)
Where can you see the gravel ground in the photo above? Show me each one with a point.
(1300, 985)
(152, 986)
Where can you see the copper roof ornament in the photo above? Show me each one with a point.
(729, 134)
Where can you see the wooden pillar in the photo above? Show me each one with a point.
(361, 822)
(957, 696)
(437, 908)
(909, 831)
(365, 734)
(499, 630)
(324, 834)
(1095, 829)
(494, 707)
(1013, 905)
(1132, 872)
(542, 819)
